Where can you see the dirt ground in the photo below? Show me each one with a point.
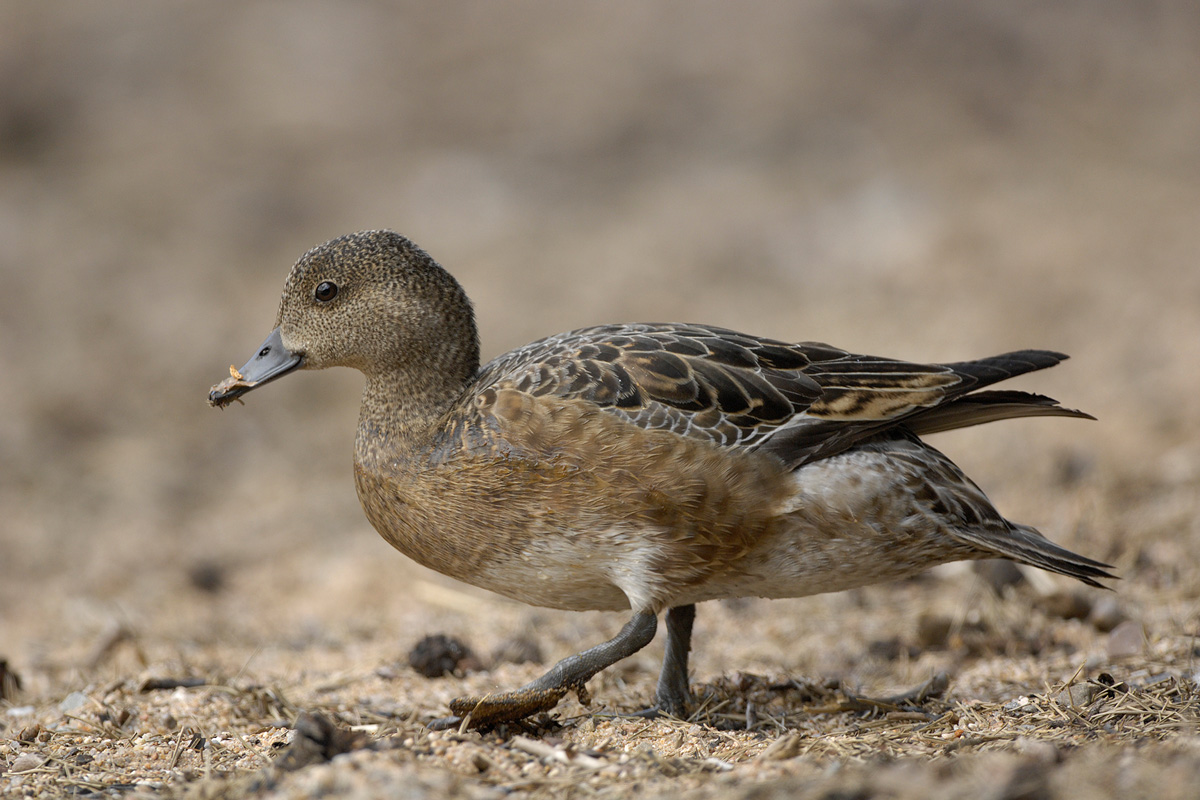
(192, 603)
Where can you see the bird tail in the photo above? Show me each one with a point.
(1027, 545)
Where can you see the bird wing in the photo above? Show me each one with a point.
(799, 402)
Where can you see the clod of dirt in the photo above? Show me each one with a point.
(437, 655)
(318, 740)
(1112, 686)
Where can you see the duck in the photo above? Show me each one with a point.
(642, 467)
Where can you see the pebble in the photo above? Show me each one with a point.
(73, 701)
(27, 761)
(30, 733)
(1018, 704)
(1077, 695)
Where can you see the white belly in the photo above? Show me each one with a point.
(606, 572)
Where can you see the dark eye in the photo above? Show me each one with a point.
(326, 291)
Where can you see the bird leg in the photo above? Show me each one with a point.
(570, 674)
(672, 695)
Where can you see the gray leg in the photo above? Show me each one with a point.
(574, 671)
(672, 695)
(570, 674)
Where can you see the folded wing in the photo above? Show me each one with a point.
(798, 402)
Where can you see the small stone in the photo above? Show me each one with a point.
(73, 702)
(1019, 704)
(27, 761)
(1077, 695)
(1127, 639)
(1106, 614)
(1067, 605)
(933, 630)
(29, 733)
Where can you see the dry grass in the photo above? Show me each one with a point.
(200, 737)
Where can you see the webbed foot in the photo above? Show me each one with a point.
(568, 675)
(492, 709)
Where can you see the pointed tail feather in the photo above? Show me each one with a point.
(1027, 545)
(989, 406)
(994, 369)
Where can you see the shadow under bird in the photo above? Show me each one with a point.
(644, 466)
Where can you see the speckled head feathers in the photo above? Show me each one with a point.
(373, 300)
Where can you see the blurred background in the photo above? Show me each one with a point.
(929, 180)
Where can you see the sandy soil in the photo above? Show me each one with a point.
(934, 181)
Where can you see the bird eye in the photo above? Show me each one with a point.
(326, 291)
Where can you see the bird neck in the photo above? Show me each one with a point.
(401, 415)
